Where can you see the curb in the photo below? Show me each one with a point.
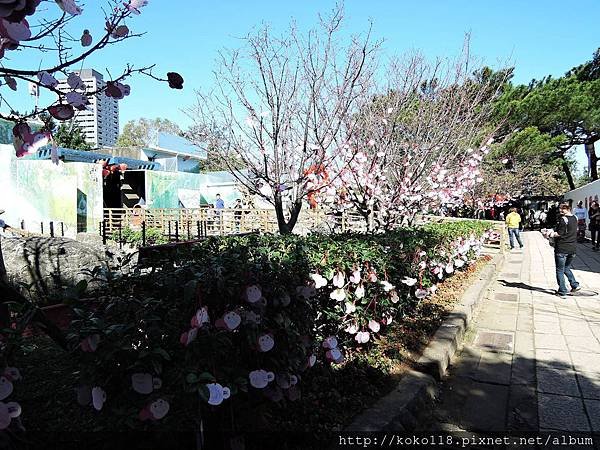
(401, 409)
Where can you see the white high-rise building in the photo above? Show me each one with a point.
(100, 125)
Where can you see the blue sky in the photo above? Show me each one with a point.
(538, 37)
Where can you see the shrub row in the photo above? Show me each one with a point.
(241, 320)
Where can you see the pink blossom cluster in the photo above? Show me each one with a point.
(372, 182)
(367, 302)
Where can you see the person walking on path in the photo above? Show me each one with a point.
(513, 220)
(565, 238)
(594, 215)
(581, 214)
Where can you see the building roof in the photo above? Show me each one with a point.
(176, 145)
(69, 155)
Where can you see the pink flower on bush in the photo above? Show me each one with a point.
(339, 280)
(90, 343)
(319, 280)
(374, 326)
(338, 295)
(421, 294)
(362, 337)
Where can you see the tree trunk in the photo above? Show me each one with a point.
(286, 227)
(294, 214)
(590, 151)
(4, 313)
(569, 175)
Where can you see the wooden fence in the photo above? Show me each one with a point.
(180, 224)
(195, 222)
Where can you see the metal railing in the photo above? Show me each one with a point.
(183, 222)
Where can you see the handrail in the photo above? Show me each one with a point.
(198, 222)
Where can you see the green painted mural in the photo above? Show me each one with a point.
(178, 189)
(39, 191)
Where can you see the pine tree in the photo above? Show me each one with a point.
(69, 135)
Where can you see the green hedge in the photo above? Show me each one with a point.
(154, 236)
(171, 323)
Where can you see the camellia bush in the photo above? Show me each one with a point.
(239, 321)
(154, 236)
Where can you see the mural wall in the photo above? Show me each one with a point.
(179, 189)
(39, 192)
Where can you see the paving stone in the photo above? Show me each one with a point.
(465, 363)
(558, 359)
(589, 383)
(546, 327)
(495, 341)
(524, 345)
(522, 409)
(583, 344)
(592, 316)
(555, 364)
(525, 308)
(492, 416)
(506, 297)
(595, 330)
(550, 341)
(575, 328)
(593, 410)
(523, 370)
(499, 322)
(557, 381)
(569, 313)
(560, 412)
(586, 362)
(509, 275)
(544, 299)
(494, 368)
(452, 397)
(524, 323)
(591, 303)
(546, 317)
(543, 309)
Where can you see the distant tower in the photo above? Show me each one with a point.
(100, 125)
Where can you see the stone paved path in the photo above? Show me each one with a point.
(531, 362)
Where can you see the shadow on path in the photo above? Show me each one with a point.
(521, 285)
(516, 395)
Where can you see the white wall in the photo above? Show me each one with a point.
(586, 194)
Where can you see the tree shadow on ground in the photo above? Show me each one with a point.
(494, 394)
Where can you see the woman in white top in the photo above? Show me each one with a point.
(582, 216)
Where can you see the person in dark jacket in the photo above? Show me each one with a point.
(565, 242)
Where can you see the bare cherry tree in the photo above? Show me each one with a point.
(283, 106)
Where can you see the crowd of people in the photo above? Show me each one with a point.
(530, 219)
(588, 219)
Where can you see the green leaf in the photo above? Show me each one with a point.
(204, 393)
(191, 378)
(81, 286)
(162, 352)
(206, 377)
